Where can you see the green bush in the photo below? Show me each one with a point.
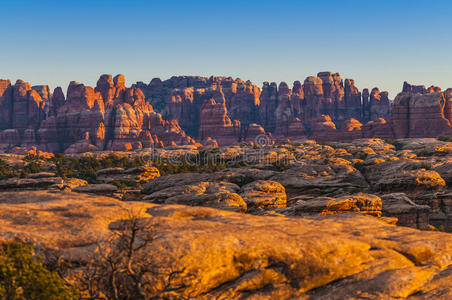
(23, 277)
(86, 167)
(62, 165)
(443, 138)
(32, 167)
(123, 184)
(6, 171)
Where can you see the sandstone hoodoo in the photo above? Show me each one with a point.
(108, 117)
(191, 110)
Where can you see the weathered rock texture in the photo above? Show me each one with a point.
(286, 113)
(108, 117)
(214, 111)
(422, 115)
(201, 253)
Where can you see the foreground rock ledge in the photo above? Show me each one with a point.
(231, 255)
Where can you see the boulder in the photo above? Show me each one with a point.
(242, 176)
(174, 180)
(101, 188)
(313, 179)
(264, 194)
(41, 175)
(138, 174)
(29, 183)
(403, 175)
(444, 169)
(361, 203)
(426, 146)
(72, 183)
(221, 195)
(405, 210)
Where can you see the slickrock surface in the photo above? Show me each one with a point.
(138, 174)
(321, 179)
(101, 188)
(362, 203)
(403, 175)
(220, 195)
(412, 177)
(219, 254)
(264, 194)
(25, 183)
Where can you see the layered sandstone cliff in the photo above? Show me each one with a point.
(215, 110)
(107, 117)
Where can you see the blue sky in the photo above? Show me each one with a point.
(377, 43)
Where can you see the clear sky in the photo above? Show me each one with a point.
(377, 43)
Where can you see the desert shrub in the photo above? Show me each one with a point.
(115, 161)
(280, 165)
(31, 158)
(443, 228)
(86, 167)
(398, 145)
(32, 167)
(237, 164)
(6, 171)
(62, 165)
(359, 166)
(24, 277)
(183, 166)
(443, 138)
(122, 184)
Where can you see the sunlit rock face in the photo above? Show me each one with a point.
(422, 115)
(223, 254)
(179, 111)
(285, 112)
(214, 121)
(182, 97)
(107, 117)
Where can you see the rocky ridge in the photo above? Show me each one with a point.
(190, 110)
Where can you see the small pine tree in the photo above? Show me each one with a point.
(23, 277)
